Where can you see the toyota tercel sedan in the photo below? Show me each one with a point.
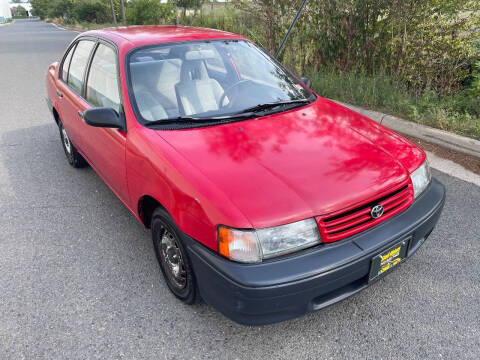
(263, 198)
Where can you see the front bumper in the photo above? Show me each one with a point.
(287, 287)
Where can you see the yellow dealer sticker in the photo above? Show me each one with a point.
(388, 259)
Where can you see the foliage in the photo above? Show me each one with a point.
(149, 12)
(382, 93)
(188, 4)
(418, 59)
(93, 11)
(19, 12)
(71, 11)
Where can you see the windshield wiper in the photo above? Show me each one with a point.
(195, 120)
(272, 105)
(245, 114)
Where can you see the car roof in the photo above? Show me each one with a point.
(155, 34)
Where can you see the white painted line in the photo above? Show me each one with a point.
(63, 29)
(453, 169)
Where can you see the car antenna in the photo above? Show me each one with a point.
(277, 54)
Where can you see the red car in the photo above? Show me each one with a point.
(263, 198)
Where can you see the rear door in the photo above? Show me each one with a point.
(70, 89)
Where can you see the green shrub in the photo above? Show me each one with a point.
(451, 113)
(93, 11)
(19, 12)
(60, 8)
(139, 12)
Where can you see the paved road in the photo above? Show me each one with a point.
(79, 279)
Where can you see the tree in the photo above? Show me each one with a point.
(92, 11)
(150, 12)
(19, 11)
(188, 4)
(114, 17)
(273, 16)
(122, 6)
(40, 8)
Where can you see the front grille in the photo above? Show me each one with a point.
(337, 226)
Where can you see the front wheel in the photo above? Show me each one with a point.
(173, 258)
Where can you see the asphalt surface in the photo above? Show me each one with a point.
(79, 278)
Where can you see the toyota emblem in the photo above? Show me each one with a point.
(376, 211)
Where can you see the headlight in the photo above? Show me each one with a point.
(253, 246)
(420, 179)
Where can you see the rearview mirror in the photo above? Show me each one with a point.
(306, 81)
(103, 117)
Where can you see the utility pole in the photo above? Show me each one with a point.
(122, 5)
(114, 17)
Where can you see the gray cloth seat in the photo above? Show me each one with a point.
(154, 87)
(197, 92)
(149, 107)
(168, 77)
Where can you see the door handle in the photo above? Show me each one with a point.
(59, 93)
(80, 113)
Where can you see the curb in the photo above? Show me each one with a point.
(439, 137)
(64, 28)
(8, 23)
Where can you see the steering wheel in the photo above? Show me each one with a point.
(230, 90)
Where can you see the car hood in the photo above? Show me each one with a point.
(301, 163)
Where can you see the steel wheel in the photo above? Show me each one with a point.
(171, 256)
(66, 141)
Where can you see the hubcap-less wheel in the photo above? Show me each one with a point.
(172, 257)
(66, 141)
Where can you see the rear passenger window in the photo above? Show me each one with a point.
(66, 64)
(102, 83)
(78, 65)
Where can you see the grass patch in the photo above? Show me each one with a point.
(457, 113)
(82, 26)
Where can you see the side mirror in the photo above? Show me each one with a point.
(306, 81)
(103, 117)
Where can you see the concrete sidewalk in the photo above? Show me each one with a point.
(439, 137)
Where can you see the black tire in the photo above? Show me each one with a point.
(164, 230)
(73, 157)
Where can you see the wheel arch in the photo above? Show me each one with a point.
(145, 207)
(56, 116)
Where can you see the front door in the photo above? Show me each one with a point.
(105, 147)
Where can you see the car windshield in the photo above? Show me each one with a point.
(213, 80)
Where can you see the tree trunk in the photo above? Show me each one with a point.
(122, 5)
(114, 17)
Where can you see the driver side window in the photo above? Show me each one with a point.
(102, 83)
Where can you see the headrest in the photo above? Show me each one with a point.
(193, 70)
(199, 54)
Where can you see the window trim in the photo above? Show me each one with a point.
(114, 47)
(94, 52)
(97, 40)
(74, 44)
(72, 47)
